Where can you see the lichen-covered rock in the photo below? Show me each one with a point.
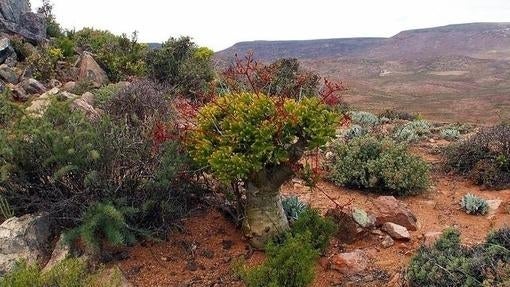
(8, 74)
(26, 238)
(91, 71)
(33, 86)
(348, 229)
(16, 17)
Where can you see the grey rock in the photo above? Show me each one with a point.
(396, 231)
(18, 93)
(61, 251)
(387, 242)
(16, 17)
(91, 71)
(33, 86)
(363, 218)
(8, 74)
(6, 51)
(25, 237)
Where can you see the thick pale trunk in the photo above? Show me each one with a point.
(264, 215)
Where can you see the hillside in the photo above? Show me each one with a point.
(450, 73)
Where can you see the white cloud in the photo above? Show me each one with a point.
(221, 23)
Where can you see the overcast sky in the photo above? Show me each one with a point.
(219, 24)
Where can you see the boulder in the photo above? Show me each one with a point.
(80, 104)
(16, 17)
(396, 231)
(389, 209)
(89, 98)
(6, 51)
(91, 71)
(387, 242)
(69, 86)
(348, 229)
(25, 237)
(8, 74)
(40, 104)
(33, 86)
(61, 251)
(349, 263)
(18, 93)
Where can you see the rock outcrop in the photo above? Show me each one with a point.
(91, 71)
(16, 17)
(25, 237)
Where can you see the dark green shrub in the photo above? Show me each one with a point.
(181, 65)
(9, 111)
(65, 45)
(43, 62)
(397, 115)
(484, 157)
(321, 229)
(120, 56)
(21, 47)
(102, 222)
(290, 264)
(448, 263)
(380, 165)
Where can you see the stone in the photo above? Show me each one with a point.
(81, 105)
(33, 86)
(494, 205)
(363, 218)
(348, 230)
(61, 251)
(54, 83)
(430, 238)
(6, 51)
(349, 263)
(396, 231)
(18, 93)
(69, 86)
(387, 242)
(16, 17)
(392, 210)
(91, 71)
(89, 98)
(26, 237)
(8, 74)
(39, 105)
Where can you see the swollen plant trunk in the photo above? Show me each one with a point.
(264, 215)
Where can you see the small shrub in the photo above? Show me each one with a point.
(411, 131)
(321, 229)
(9, 111)
(364, 119)
(23, 49)
(70, 272)
(484, 157)
(397, 115)
(450, 134)
(82, 87)
(5, 208)
(293, 207)
(381, 165)
(65, 45)
(473, 204)
(448, 263)
(22, 275)
(104, 94)
(354, 131)
(290, 264)
(43, 62)
(102, 221)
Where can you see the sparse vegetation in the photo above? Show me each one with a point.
(448, 263)
(379, 165)
(484, 157)
(450, 134)
(364, 119)
(411, 131)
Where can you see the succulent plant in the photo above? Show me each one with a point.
(473, 204)
(293, 207)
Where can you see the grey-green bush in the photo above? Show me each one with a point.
(378, 165)
(293, 207)
(411, 131)
(473, 204)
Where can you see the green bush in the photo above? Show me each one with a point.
(380, 165)
(321, 229)
(182, 65)
(120, 56)
(474, 205)
(290, 264)
(71, 272)
(293, 207)
(397, 115)
(9, 111)
(448, 263)
(43, 62)
(411, 131)
(102, 221)
(484, 157)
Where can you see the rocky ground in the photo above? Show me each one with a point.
(204, 253)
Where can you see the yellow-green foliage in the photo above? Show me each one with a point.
(71, 272)
(239, 134)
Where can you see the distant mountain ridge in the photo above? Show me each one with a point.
(473, 39)
(457, 72)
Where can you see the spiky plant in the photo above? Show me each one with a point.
(293, 207)
(473, 204)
